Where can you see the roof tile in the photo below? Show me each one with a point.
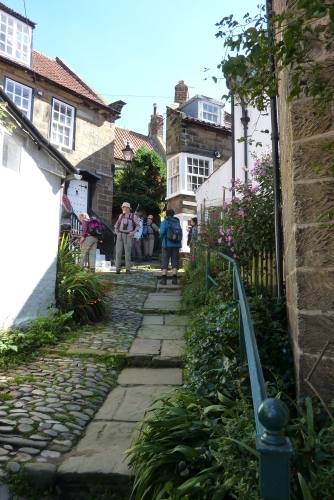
(52, 70)
(136, 141)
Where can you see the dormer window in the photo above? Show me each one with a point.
(15, 39)
(210, 112)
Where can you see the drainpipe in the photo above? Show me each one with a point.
(244, 120)
(276, 176)
(232, 134)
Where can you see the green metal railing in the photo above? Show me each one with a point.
(271, 414)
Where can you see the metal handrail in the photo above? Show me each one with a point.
(271, 414)
(107, 246)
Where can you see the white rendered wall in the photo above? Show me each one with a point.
(29, 207)
(210, 193)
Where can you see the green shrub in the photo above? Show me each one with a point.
(18, 345)
(77, 290)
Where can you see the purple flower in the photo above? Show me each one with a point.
(234, 256)
(284, 351)
(241, 212)
(220, 240)
(217, 329)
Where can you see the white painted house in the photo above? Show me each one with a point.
(31, 176)
(211, 193)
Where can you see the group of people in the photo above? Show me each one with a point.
(129, 230)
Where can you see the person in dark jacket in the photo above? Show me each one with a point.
(170, 249)
(192, 231)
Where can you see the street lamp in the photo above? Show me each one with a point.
(127, 154)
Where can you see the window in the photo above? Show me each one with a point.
(174, 175)
(210, 112)
(197, 172)
(20, 94)
(62, 124)
(11, 153)
(15, 39)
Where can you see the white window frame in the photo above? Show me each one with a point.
(62, 124)
(205, 114)
(20, 94)
(15, 38)
(17, 142)
(183, 173)
(197, 168)
(173, 175)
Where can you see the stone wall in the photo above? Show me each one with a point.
(94, 133)
(308, 244)
(186, 136)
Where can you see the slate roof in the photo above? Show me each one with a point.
(226, 127)
(136, 141)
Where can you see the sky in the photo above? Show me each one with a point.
(136, 51)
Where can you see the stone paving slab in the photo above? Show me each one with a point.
(100, 454)
(150, 376)
(176, 320)
(160, 332)
(129, 403)
(172, 348)
(164, 296)
(145, 346)
(162, 305)
(153, 320)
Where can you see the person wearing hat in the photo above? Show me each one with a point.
(126, 226)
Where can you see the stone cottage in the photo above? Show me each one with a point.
(69, 113)
(198, 141)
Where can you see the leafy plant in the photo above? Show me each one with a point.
(77, 290)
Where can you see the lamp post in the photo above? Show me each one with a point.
(127, 155)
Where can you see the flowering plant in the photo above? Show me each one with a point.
(246, 225)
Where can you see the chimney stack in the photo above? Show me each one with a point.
(156, 125)
(181, 92)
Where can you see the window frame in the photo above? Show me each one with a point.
(31, 96)
(17, 140)
(183, 173)
(201, 112)
(193, 174)
(71, 145)
(12, 32)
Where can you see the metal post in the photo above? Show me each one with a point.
(242, 343)
(208, 284)
(275, 450)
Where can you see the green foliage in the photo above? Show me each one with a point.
(17, 345)
(144, 184)
(245, 226)
(294, 33)
(77, 290)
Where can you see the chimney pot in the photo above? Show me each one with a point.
(181, 92)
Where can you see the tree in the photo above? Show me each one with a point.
(270, 43)
(144, 184)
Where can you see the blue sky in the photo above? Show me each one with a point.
(129, 48)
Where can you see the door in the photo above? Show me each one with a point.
(77, 193)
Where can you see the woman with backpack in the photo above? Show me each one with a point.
(148, 237)
(88, 243)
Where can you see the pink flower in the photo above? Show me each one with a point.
(241, 212)
(249, 199)
(234, 256)
(220, 240)
(221, 231)
(255, 189)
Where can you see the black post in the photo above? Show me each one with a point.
(233, 143)
(244, 120)
(276, 176)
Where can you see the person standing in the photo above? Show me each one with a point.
(192, 231)
(88, 244)
(126, 226)
(136, 243)
(149, 238)
(170, 249)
